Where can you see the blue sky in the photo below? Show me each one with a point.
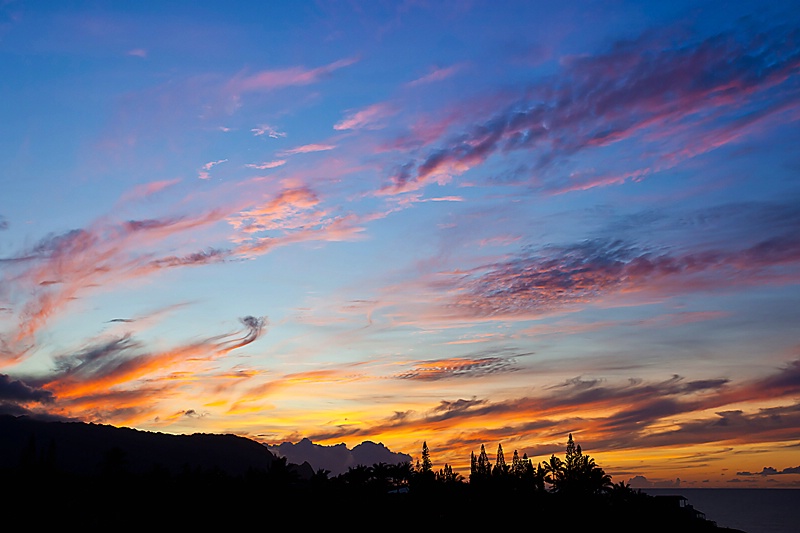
(461, 222)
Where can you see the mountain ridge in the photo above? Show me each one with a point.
(86, 448)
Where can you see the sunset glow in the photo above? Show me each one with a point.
(462, 223)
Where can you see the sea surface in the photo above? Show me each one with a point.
(750, 510)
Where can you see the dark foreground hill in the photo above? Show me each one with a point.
(96, 477)
(92, 449)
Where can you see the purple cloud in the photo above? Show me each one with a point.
(644, 87)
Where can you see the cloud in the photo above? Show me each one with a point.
(62, 267)
(554, 277)
(448, 409)
(770, 471)
(269, 131)
(436, 74)
(367, 118)
(266, 80)
(701, 94)
(641, 482)
(119, 373)
(148, 189)
(204, 174)
(19, 392)
(282, 211)
(456, 367)
(267, 165)
(193, 259)
(138, 52)
(632, 414)
(306, 149)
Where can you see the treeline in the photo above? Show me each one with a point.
(573, 492)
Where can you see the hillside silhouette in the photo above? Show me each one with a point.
(98, 477)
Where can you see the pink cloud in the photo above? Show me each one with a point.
(307, 148)
(269, 131)
(62, 268)
(367, 118)
(148, 189)
(275, 79)
(268, 164)
(211, 164)
(437, 74)
(204, 173)
(283, 211)
(707, 88)
(586, 272)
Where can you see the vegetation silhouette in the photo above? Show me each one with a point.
(572, 493)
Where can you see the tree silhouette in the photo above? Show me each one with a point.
(580, 473)
(500, 468)
(480, 468)
(554, 472)
(402, 474)
(447, 476)
(517, 468)
(427, 466)
(538, 475)
(280, 474)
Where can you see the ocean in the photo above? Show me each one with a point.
(750, 510)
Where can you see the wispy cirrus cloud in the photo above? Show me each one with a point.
(557, 276)
(148, 189)
(307, 149)
(267, 164)
(266, 80)
(719, 86)
(60, 268)
(144, 117)
(457, 367)
(370, 117)
(436, 74)
(123, 363)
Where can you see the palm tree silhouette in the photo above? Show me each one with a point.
(553, 472)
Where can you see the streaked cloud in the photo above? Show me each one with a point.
(122, 364)
(267, 165)
(266, 80)
(148, 189)
(306, 149)
(436, 74)
(448, 368)
(581, 110)
(370, 117)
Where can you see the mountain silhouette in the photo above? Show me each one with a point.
(80, 448)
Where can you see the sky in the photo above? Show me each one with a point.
(462, 223)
